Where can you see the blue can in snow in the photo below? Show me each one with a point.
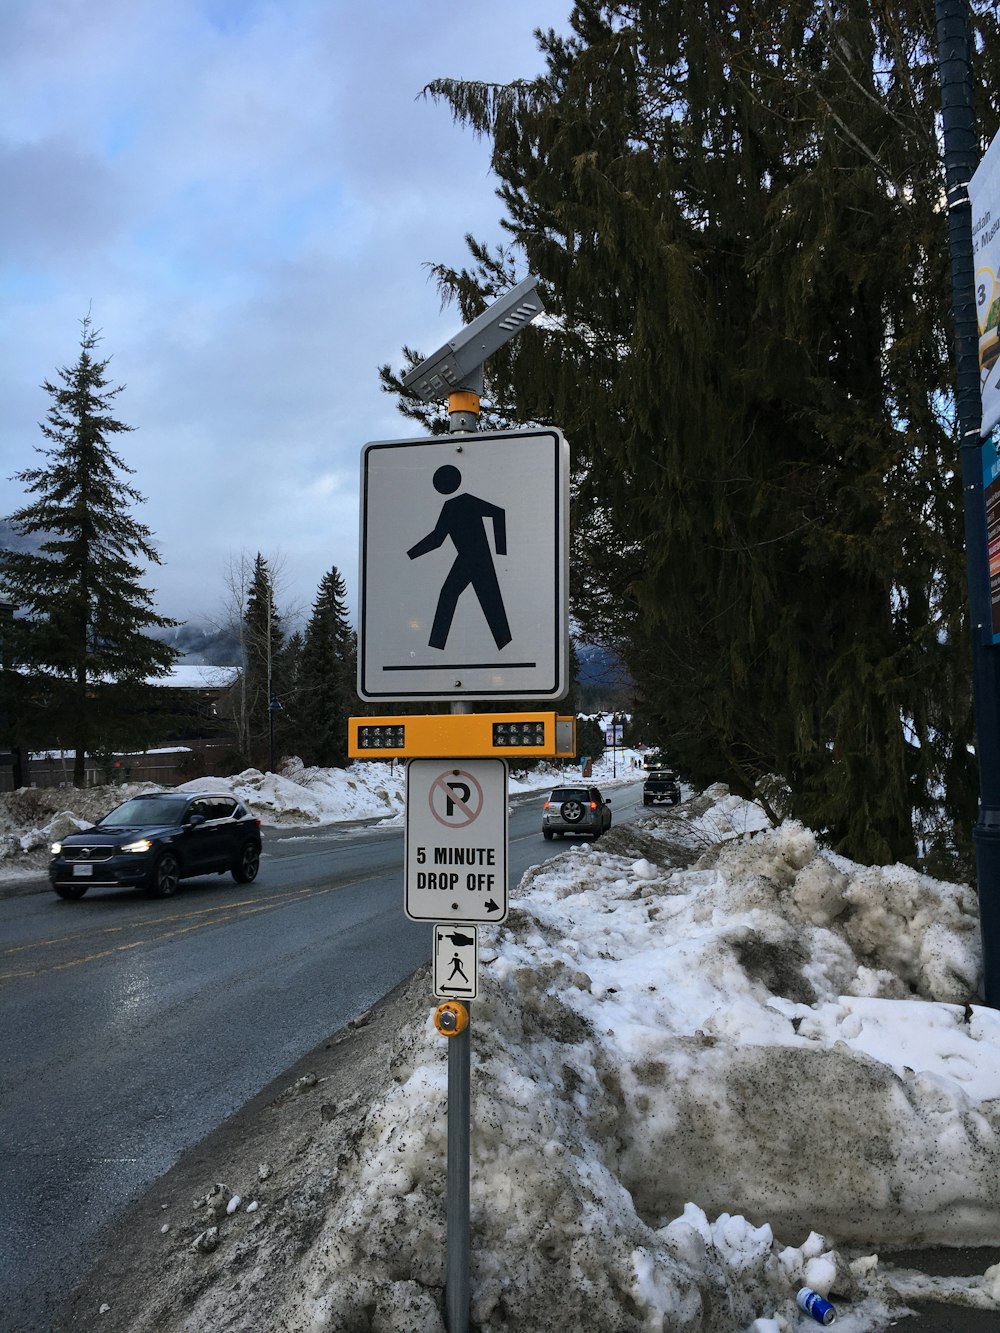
(813, 1303)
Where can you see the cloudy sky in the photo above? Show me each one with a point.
(244, 194)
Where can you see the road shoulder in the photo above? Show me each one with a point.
(283, 1150)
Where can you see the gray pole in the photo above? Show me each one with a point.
(456, 1288)
(463, 408)
(961, 156)
(458, 368)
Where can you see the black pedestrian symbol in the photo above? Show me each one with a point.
(457, 969)
(463, 519)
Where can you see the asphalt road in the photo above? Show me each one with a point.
(133, 1027)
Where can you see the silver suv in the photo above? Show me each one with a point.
(576, 810)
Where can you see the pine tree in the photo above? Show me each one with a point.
(262, 685)
(80, 636)
(589, 739)
(326, 696)
(737, 219)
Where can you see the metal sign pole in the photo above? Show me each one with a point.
(459, 1121)
(456, 371)
(463, 407)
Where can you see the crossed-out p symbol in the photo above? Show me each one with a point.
(463, 801)
(455, 798)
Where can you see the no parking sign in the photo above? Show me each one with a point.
(456, 840)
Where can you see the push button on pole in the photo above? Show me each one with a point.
(451, 1018)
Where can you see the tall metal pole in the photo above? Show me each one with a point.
(456, 1287)
(960, 160)
(463, 417)
(458, 366)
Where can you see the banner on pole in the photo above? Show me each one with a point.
(984, 193)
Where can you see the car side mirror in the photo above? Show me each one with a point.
(195, 820)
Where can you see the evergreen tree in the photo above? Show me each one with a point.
(736, 214)
(325, 695)
(589, 738)
(262, 684)
(82, 612)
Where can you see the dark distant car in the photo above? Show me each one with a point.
(576, 810)
(156, 840)
(661, 788)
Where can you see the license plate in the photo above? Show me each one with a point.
(82, 871)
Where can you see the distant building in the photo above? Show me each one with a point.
(192, 744)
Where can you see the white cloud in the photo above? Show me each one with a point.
(246, 195)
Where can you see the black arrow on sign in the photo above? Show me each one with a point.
(491, 906)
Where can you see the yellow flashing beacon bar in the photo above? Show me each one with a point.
(465, 735)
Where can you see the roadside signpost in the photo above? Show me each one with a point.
(464, 567)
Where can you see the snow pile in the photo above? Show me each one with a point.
(33, 817)
(691, 1084)
(306, 796)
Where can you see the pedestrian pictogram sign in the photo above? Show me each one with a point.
(456, 961)
(456, 840)
(464, 567)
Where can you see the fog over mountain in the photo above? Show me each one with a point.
(11, 540)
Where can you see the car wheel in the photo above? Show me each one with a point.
(71, 891)
(245, 869)
(571, 811)
(166, 876)
(676, 800)
(547, 834)
(646, 800)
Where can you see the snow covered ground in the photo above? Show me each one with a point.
(712, 1063)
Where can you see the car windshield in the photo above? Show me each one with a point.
(144, 812)
(569, 794)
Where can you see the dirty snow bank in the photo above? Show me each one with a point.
(699, 1082)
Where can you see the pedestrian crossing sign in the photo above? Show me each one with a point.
(464, 567)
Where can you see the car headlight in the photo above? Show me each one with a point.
(140, 845)
(56, 848)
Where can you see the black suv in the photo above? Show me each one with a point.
(576, 810)
(157, 840)
(661, 787)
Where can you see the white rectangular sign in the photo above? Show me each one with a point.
(464, 567)
(456, 840)
(984, 191)
(456, 961)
